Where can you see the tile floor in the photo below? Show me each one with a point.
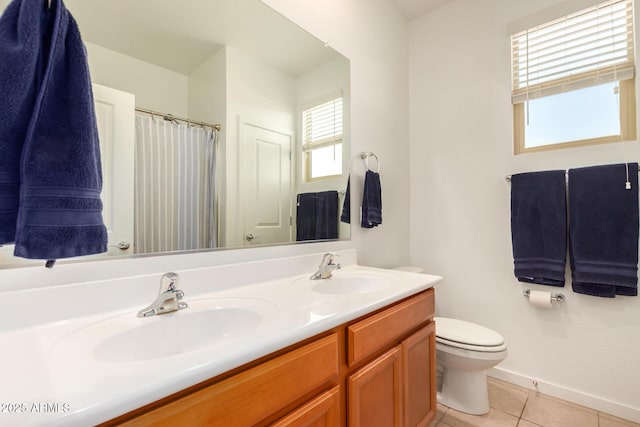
(515, 406)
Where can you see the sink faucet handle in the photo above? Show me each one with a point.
(333, 260)
(330, 258)
(169, 283)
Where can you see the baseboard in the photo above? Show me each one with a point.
(599, 404)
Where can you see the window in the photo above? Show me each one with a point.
(573, 79)
(322, 140)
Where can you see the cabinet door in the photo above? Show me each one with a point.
(375, 392)
(323, 411)
(419, 368)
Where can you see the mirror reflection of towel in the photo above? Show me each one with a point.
(371, 200)
(346, 205)
(317, 216)
(48, 136)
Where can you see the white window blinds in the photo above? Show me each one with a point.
(322, 125)
(587, 48)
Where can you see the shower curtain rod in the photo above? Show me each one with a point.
(171, 117)
(508, 177)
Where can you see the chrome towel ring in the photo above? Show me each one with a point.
(366, 155)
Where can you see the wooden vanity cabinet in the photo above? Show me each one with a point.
(378, 370)
(397, 387)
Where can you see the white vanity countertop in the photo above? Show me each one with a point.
(54, 375)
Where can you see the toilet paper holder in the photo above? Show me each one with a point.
(554, 297)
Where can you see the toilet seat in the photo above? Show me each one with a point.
(468, 336)
(478, 348)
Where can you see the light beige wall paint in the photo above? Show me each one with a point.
(461, 150)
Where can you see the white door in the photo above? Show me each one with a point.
(115, 113)
(265, 186)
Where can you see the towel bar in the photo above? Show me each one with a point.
(508, 177)
(554, 297)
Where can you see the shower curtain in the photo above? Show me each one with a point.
(175, 197)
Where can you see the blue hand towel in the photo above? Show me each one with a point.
(539, 227)
(603, 230)
(20, 43)
(317, 216)
(371, 201)
(346, 205)
(59, 212)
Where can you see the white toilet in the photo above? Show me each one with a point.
(464, 352)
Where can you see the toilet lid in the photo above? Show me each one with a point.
(460, 331)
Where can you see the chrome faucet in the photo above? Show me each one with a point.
(327, 265)
(168, 298)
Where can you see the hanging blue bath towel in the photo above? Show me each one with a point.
(539, 227)
(371, 200)
(603, 230)
(50, 175)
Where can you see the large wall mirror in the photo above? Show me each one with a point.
(165, 73)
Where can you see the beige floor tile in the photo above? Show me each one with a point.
(525, 423)
(607, 420)
(495, 418)
(507, 397)
(548, 411)
(441, 411)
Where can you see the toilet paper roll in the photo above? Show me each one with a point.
(540, 299)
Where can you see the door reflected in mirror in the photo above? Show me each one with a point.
(174, 185)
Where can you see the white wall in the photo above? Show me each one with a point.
(207, 90)
(155, 88)
(461, 149)
(373, 35)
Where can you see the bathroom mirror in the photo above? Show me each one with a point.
(236, 63)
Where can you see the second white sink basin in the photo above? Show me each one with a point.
(205, 322)
(345, 283)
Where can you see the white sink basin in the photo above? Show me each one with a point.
(206, 322)
(345, 283)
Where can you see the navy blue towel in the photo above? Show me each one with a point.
(317, 216)
(539, 227)
(346, 205)
(371, 200)
(20, 44)
(50, 169)
(603, 230)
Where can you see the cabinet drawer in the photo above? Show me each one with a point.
(323, 411)
(252, 395)
(368, 336)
